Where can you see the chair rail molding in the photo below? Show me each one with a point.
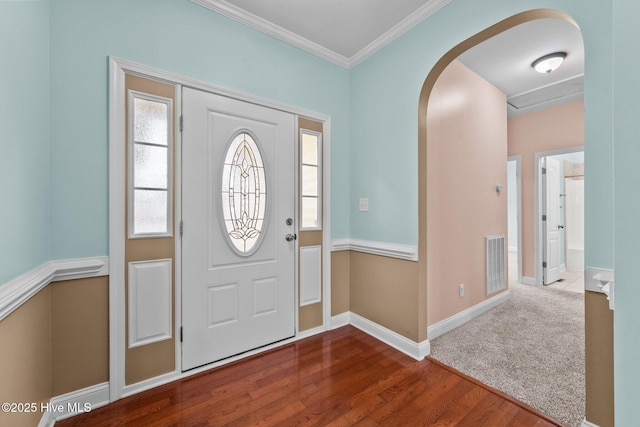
(19, 290)
(392, 250)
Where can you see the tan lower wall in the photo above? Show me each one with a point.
(310, 316)
(385, 291)
(340, 276)
(79, 333)
(25, 359)
(598, 328)
(55, 343)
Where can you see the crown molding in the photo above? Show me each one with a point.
(227, 9)
(398, 30)
(269, 28)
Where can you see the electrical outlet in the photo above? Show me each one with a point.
(364, 205)
(461, 290)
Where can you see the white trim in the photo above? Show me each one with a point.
(518, 160)
(431, 7)
(260, 24)
(537, 204)
(117, 69)
(409, 347)
(18, 291)
(326, 221)
(269, 28)
(446, 325)
(595, 278)
(586, 423)
(70, 404)
(528, 280)
(154, 382)
(150, 301)
(310, 275)
(340, 320)
(117, 186)
(392, 250)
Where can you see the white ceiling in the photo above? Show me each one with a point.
(346, 32)
(505, 61)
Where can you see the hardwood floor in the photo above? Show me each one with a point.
(340, 378)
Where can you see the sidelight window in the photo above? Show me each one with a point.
(311, 180)
(150, 141)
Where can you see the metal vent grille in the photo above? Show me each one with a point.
(495, 267)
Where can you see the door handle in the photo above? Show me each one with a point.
(291, 237)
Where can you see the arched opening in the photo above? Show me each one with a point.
(425, 246)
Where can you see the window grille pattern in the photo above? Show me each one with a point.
(244, 193)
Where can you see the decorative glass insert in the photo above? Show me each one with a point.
(244, 193)
(149, 165)
(310, 180)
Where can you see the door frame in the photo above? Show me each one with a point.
(118, 67)
(537, 205)
(518, 161)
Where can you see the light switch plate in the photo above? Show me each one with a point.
(364, 205)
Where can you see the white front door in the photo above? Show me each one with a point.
(238, 268)
(551, 259)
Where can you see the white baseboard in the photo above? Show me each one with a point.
(525, 280)
(586, 423)
(18, 291)
(74, 403)
(310, 332)
(444, 326)
(151, 383)
(411, 348)
(340, 320)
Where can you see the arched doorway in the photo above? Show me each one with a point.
(425, 247)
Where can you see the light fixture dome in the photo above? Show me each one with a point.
(548, 63)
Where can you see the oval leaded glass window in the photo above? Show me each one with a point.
(244, 193)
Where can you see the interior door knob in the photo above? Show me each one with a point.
(291, 237)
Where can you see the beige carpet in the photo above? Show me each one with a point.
(531, 348)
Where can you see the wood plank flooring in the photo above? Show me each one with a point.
(340, 378)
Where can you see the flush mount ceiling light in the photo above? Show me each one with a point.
(548, 63)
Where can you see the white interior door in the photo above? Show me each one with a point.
(551, 259)
(238, 267)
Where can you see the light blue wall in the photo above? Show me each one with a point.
(181, 37)
(24, 140)
(627, 212)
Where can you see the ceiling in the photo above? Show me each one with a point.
(347, 32)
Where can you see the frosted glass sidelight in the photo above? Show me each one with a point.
(150, 120)
(150, 166)
(309, 149)
(309, 212)
(150, 212)
(244, 193)
(310, 177)
(309, 180)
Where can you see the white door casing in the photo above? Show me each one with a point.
(550, 225)
(232, 301)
